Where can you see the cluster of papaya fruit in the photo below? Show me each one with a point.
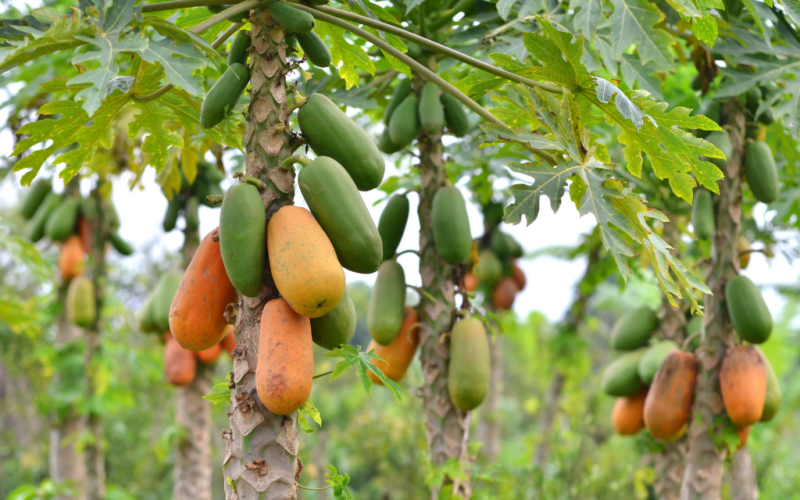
(496, 273)
(188, 200)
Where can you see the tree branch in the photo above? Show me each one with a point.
(180, 4)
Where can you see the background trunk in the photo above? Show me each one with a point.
(489, 429)
(743, 476)
(261, 447)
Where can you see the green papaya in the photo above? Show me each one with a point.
(291, 42)
(387, 303)
(451, 232)
(500, 244)
(454, 115)
(401, 91)
(767, 117)
(404, 124)
(223, 96)
(35, 228)
(516, 250)
(753, 99)
(292, 19)
(332, 133)
(171, 216)
(431, 113)
(242, 237)
(653, 358)
(337, 327)
(621, 376)
(414, 50)
(489, 269)
(191, 214)
(762, 174)
(703, 215)
(235, 18)
(694, 325)
(385, 143)
(81, 307)
(492, 215)
(319, 2)
(634, 329)
(210, 172)
(772, 403)
(334, 200)
(112, 216)
(392, 224)
(147, 320)
(468, 370)
(722, 141)
(36, 195)
(697, 83)
(165, 291)
(239, 46)
(120, 245)
(204, 188)
(61, 223)
(748, 311)
(315, 49)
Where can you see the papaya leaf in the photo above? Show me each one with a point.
(339, 483)
(220, 393)
(178, 69)
(153, 118)
(61, 35)
(363, 361)
(351, 56)
(308, 410)
(705, 29)
(587, 16)
(633, 23)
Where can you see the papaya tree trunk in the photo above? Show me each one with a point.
(261, 447)
(702, 479)
(743, 476)
(490, 428)
(447, 427)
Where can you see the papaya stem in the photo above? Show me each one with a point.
(214, 199)
(249, 179)
(291, 160)
(422, 292)
(180, 4)
(410, 250)
(322, 374)
(411, 328)
(312, 489)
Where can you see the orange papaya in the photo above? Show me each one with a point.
(628, 414)
(70, 262)
(470, 282)
(669, 402)
(400, 352)
(228, 343)
(208, 356)
(504, 293)
(743, 383)
(519, 276)
(180, 364)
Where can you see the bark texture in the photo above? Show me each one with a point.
(703, 476)
(743, 476)
(261, 447)
(490, 428)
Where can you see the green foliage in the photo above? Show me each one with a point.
(352, 356)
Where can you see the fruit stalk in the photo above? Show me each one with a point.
(261, 447)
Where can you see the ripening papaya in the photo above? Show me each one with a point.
(61, 223)
(468, 370)
(147, 319)
(703, 215)
(163, 295)
(454, 115)
(291, 18)
(119, 244)
(85, 234)
(392, 224)
(621, 376)
(303, 262)
(743, 433)
(774, 398)
(81, 306)
(470, 282)
(385, 143)
(504, 293)
(762, 174)
(628, 415)
(332, 133)
(400, 352)
(197, 315)
(337, 327)
(653, 358)
(749, 313)
(669, 402)
(333, 198)
(431, 113)
(242, 229)
(518, 276)
(489, 269)
(223, 95)
(70, 262)
(315, 49)
(451, 232)
(404, 125)
(35, 228)
(239, 46)
(171, 216)
(285, 367)
(228, 342)
(722, 141)
(743, 384)
(387, 302)
(208, 356)
(401, 91)
(634, 329)
(36, 195)
(180, 364)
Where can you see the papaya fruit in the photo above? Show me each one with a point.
(774, 398)
(204, 188)
(744, 256)
(468, 370)
(119, 244)
(628, 415)
(180, 365)
(35, 228)
(489, 269)
(653, 359)
(223, 95)
(387, 303)
(668, 404)
(621, 376)
(81, 306)
(431, 113)
(303, 262)
(333, 198)
(762, 174)
(399, 354)
(70, 262)
(415, 51)
(208, 356)
(749, 313)
(470, 282)
(519, 276)
(634, 329)
(703, 215)
(171, 216)
(451, 232)
(332, 133)
(147, 320)
(319, 2)
(36, 195)
(315, 49)
(500, 244)
(235, 18)
(743, 434)
(404, 124)
(401, 91)
(516, 250)
(504, 293)
(285, 358)
(392, 224)
(242, 229)
(163, 295)
(238, 53)
(767, 117)
(743, 384)
(722, 141)
(753, 99)
(210, 172)
(62, 222)
(197, 315)
(228, 342)
(85, 234)
(454, 115)
(337, 327)
(292, 19)
(385, 143)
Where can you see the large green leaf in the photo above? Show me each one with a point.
(633, 23)
(351, 56)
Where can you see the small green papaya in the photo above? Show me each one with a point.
(401, 91)
(36, 195)
(190, 213)
(81, 306)
(451, 232)
(171, 216)
(387, 303)
(414, 50)
(517, 252)
(147, 320)
(772, 403)
(223, 95)
(703, 214)
(242, 237)
(210, 172)
(392, 224)
(235, 18)
(239, 46)
(767, 117)
(489, 269)
(753, 99)
(112, 216)
(653, 358)
(500, 244)
(722, 141)
(431, 113)
(492, 215)
(337, 327)
(119, 244)
(468, 370)
(634, 329)
(164, 292)
(621, 376)
(749, 313)
(61, 223)
(315, 49)
(404, 124)
(35, 228)
(291, 18)
(454, 115)
(762, 174)
(385, 143)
